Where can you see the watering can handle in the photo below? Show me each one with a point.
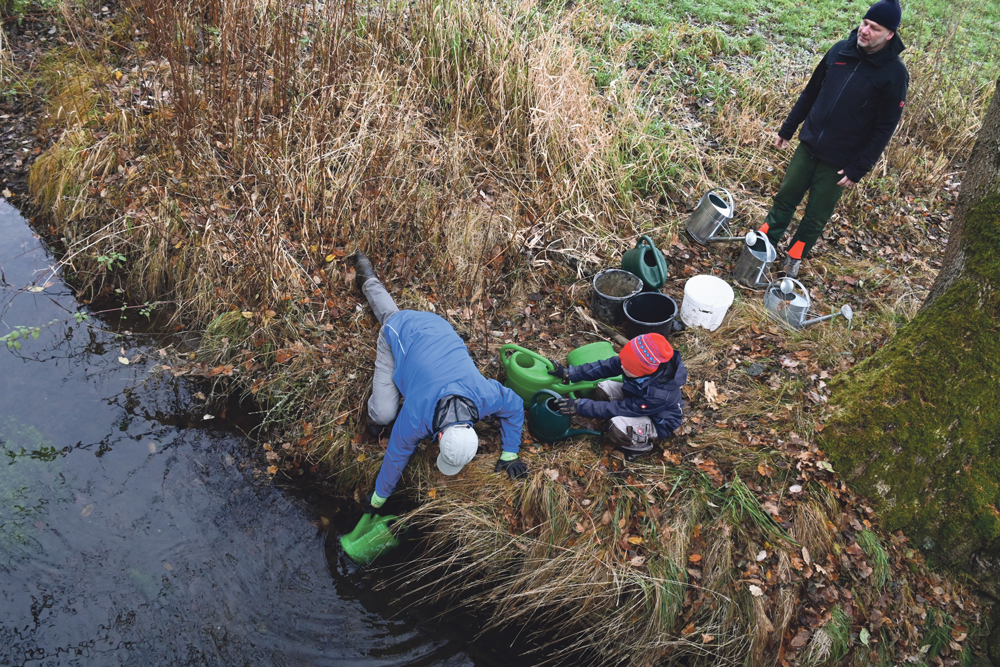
(729, 196)
(551, 394)
(510, 347)
(661, 262)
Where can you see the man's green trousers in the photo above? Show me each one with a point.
(819, 179)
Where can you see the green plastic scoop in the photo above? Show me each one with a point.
(370, 538)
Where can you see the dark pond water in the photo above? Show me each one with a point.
(133, 531)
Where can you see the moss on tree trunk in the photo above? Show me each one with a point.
(918, 424)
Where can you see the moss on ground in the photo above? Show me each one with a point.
(919, 425)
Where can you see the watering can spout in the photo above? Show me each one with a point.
(573, 432)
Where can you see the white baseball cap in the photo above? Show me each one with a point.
(459, 444)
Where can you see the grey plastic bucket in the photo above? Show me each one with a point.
(612, 288)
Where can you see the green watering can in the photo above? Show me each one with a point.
(645, 261)
(370, 538)
(528, 372)
(545, 422)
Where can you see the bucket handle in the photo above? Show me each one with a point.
(510, 347)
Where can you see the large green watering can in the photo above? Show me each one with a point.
(645, 261)
(528, 372)
(545, 422)
(370, 538)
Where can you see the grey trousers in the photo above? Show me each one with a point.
(619, 432)
(383, 406)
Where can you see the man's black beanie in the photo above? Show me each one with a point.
(886, 13)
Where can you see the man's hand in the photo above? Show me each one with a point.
(567, 406)
(514, 467)
(559, 371)
(371, 503)
(845, 182)
(779, 143)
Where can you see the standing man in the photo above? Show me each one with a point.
(850, 106)
(421, 359)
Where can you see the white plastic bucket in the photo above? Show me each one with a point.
(706, 301)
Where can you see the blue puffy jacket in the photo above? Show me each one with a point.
(432, 363)
(657, 396)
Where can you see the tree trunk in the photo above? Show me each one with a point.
(918, 424)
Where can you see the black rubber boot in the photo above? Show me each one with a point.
(363, 269)
(379, 431)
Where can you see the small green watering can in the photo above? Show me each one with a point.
(528, 372)
(370, 538)
(545, 422)
(645, 261)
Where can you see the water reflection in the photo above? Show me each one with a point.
(129, 538)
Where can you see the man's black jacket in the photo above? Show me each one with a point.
(851, 105)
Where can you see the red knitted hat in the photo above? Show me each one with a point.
(644, 354)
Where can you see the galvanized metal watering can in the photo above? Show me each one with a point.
(788, 300)
(711, 216)
(545, 422)
(647, 262)
(753, 267)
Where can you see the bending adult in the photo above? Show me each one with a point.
(420, 358)
(848, 111)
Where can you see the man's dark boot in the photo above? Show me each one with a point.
(363, 269)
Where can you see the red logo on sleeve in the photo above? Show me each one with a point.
(902, 104)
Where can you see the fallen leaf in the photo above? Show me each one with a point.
(635, 539)
(170, 568)
(761, 555)
(689, 629)
(756, 591)
(123, 360)
(800, 639)
(707, 639)
(36, 288)
(864, 636)
(247, 314)
(87, 511)
(361, 457)
(551, 474)
(711, 393)
(637, 561)
(805, 556)
(271, 470)
(432, 493)
(694, 558)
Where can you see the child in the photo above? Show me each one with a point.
(646, 406)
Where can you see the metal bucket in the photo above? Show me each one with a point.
(786, 303)
(612, 288)
(711, 215)
(755, 261)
